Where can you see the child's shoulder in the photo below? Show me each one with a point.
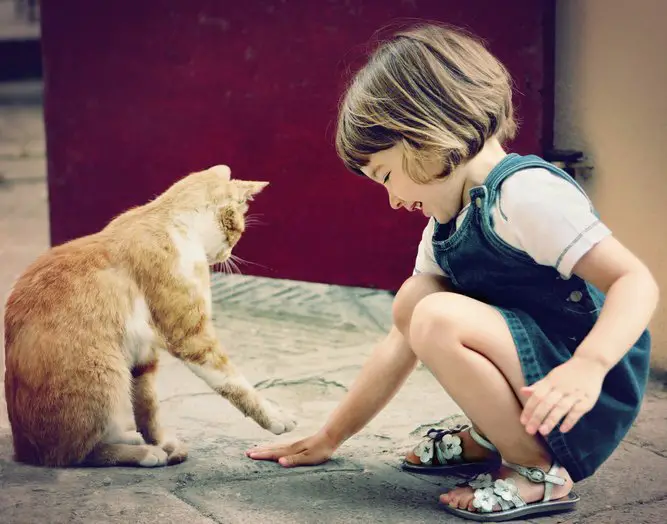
(537, 186)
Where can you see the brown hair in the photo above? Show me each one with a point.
(435, 89)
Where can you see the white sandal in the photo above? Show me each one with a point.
(441, 452)
(490, 493)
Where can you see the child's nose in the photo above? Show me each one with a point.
(394, 202)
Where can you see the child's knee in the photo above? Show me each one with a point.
(411, 293)
(434, 322)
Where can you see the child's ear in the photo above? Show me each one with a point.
(249, 188)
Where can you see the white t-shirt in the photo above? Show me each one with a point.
(538, 213)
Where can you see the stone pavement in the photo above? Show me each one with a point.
(302, 344)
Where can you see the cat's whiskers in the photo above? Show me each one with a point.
(254, 220)
(244, 261)
(235, 266)
(225, 267)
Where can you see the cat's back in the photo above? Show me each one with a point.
(64, 290)
(56, 276)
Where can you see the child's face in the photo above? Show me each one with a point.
(441, 199)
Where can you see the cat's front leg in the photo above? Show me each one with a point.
(182, 313)
(202, 353)
(146, 413)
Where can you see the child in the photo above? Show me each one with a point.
(526, 309)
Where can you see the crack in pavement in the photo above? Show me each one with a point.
(273, 473)
(267, 384)
(647, 447)
(184, 395)
(207, 514)
(353, 298)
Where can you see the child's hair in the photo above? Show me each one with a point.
(436, 90)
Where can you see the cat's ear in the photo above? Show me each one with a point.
(248, 188)
(221, 170)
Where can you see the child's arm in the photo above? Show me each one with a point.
(387, 368)
(632, 297)
(572, 389)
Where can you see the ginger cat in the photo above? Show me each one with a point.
(84, 323)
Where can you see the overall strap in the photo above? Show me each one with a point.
(513, 163)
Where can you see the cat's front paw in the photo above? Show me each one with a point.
(155, 457)
(177, 452)
(279, 421)
(132, 438)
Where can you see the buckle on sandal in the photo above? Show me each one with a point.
(535, 475)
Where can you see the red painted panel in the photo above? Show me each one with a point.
(138, 93)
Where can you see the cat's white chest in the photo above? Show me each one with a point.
(139, 335)
(191, 255)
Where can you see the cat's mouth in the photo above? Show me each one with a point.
(222, 256)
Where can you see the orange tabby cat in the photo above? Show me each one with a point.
(84, 323)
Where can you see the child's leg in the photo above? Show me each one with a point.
(411, 293)
(468, 347)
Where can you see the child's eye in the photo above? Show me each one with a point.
(386, 178)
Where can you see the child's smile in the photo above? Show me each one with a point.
(443, 197)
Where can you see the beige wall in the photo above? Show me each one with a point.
(611, 102)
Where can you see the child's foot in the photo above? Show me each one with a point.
(503, 486)
(471, 451)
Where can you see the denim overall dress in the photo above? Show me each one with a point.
(547, 315)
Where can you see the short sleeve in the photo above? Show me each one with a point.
(425, 262)
(552, 220)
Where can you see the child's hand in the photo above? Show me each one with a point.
(310, 451)
(570, 390)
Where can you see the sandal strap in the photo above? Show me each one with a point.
(538, 476)
(482, 441)
(436, 436)
(488, 493)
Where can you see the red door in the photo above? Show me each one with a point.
(138, 94)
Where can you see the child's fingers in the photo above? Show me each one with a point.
(527, 390)
(557, 414)
(260, 449)
(264, 455)
(263, 450)
(540, 391)
(542, 410)
(304, 458)
(274, 452)
(579, 409)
